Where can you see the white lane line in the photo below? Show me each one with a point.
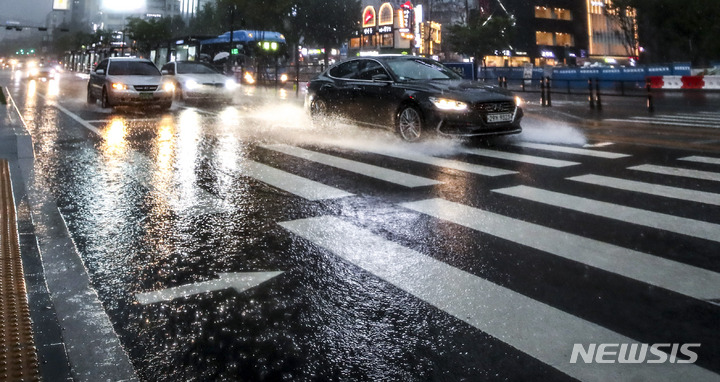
(650, 188)
(600, 144)
(682, 117)
(685, 226)
(538, 329)
(441, 162)
(207, 203)
(674, 171)
(365, 169)
(681, 278)
(572, 150)
(520, 158)
(296, 185)
(701, 159)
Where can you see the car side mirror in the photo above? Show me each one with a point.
(100, 72)
(381, 77)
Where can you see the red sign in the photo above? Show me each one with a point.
(368, 17)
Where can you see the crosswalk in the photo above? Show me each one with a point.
(703, 119)
(512, 317)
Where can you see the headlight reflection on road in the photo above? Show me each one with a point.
(189, 136)
(114, 135)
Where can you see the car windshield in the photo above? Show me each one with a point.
(195, 67)
(133, 68)
(420, 69)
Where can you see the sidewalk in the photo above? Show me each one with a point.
(71, 338)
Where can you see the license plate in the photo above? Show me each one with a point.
(146, 95)
(499, 117)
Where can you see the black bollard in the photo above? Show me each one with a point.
(650, 104)
(591, 97)
(548, 87)
(505, 82)
(598, 102)
(542, 92)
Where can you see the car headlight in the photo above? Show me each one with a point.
(34, 72)
(191, 84)
(231, 84)
(518, 101)
(249, 78)
(168, 86)
(283, 77)
(119, 86)
(448, 104)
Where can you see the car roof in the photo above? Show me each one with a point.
(127, 59)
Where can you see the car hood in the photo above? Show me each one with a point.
(463, 90)
(136, 80)
(208, 78)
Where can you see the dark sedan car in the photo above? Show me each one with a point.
(414, 95)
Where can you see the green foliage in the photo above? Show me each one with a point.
(672, 30)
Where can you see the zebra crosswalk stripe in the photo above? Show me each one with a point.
(681, 278)
(650, 188)
(674, 171)
(441, 162)
(291, 183)
(365, 169)
(537, 329)
(540, 161)
(685, 226)
(572, 150)
(701, 159)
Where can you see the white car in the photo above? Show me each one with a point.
(128, 81)
(199, 81)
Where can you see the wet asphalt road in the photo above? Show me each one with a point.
(436, 261)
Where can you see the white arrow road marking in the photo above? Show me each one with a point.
(241, 282)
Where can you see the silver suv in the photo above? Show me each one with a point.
(128, 81)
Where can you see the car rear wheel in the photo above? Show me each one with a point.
(409, 123)
(90, 97)
(105, 102)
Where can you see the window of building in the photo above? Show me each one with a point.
(386, 15)
(552, 13)
(386, 40)
(564, 39)
(544, 38)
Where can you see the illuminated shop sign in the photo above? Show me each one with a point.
(385, 29)
(406, 21)
(368, 17)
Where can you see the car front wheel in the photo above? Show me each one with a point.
(90, 97)
(105, 101)
(409, 123)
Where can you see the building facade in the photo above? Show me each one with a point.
(563, 32)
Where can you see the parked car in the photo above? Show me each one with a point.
(413, 95)
(124, 81)
(199, 81)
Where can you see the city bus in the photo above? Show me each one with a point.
(253, 56)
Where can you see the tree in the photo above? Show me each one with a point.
(327, 23)
(623, 15)
(482, 36)
(149, 33)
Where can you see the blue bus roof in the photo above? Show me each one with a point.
(246, 36)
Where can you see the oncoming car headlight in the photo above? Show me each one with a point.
(119, 86)
(168, 86)
(230, 84)
(448, 104)
(249, 78)
(191, 84)
(283, 77)
(518, 101)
